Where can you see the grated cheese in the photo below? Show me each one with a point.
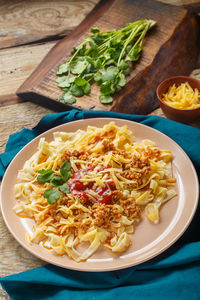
(182, 96)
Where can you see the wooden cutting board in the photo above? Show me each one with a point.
(171, 48)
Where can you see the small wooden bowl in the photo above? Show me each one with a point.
(180, 115)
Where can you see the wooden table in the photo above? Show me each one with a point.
(29, 29)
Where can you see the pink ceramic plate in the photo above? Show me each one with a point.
(149, 240)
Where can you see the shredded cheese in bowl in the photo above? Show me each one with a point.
(182, 96)
(90, 187)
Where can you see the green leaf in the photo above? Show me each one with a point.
(107, 55)
(45, 176)
(61, 78)
(77, 91)
(66, 81)
(80, 81)
(71, 79)
(66, 89)
(88, 59)
(88, 70)
(52, 195)
(64, 84)
(88, 76)
(122, 80)
(87, 89)
(123, 65)
(68, 98)
(127, 71)
(115, 55)
(128, 48)
(97, 63)
(65, 168)
(67, 176)
(94, 29)
(98, 38)
(109, 62)
(44, 171)
(80, 49)
(92, 44)
(98, 77)
(106, 99)
(110, 73)
(105, 88)
(63, 68)
(92, 52)
(57, 181)
(64, 188)
(78, 67)
(61, 96)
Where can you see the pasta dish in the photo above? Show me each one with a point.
(91, 188)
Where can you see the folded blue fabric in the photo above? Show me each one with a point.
(175, 274)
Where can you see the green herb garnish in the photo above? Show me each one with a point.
(65, 168)
(68, 98)
(104, 58)
(64, 188)
(57, 180)
(52, 195)
(45, 176)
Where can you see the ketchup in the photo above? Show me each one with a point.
(105, 193)
(77, 185)
(79, 188)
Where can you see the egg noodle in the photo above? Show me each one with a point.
(113, 180)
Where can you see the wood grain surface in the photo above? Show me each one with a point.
(22, 22)
(13, 257)
(16, 64)
(175, 36)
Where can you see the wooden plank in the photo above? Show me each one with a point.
(180, 2)
(16, 65)
(10, 99)
(22, 21)
(193, 5)
(175, 39)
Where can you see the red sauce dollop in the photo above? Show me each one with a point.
(79, 188)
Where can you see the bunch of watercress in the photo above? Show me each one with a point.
(103, 57)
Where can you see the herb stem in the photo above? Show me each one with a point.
(77, 51)
(128, 41)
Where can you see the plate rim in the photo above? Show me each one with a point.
(122, 265)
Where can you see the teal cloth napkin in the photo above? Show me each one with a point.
(175, 274)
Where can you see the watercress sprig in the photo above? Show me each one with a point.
(57, 180)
